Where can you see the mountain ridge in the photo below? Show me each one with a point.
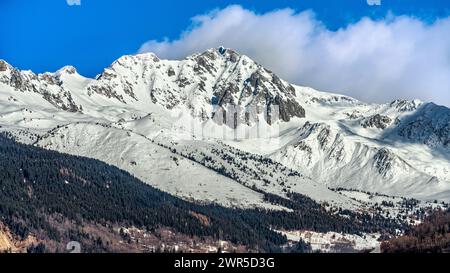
(339, 141)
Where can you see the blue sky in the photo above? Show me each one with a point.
(44, 35)
(401, 51)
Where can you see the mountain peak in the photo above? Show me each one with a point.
(213, 54)
(146, 56)
(68, 69)
(223, 51)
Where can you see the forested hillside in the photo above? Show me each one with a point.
(431, 236)
(54, 197)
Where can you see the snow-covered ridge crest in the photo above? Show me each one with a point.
(201, 82)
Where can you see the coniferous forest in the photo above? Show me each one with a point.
(38, 186)
(431, 236)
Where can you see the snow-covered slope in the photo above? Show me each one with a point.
(153, 163)
(399, 148)
(171, 123)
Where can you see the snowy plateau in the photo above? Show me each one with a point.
(157, 119)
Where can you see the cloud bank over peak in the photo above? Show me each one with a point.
(372, 60)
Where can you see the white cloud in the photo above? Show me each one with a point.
(375, 61)
(73, 2)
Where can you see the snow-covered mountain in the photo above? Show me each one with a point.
(171, 123)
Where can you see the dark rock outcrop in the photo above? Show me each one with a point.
(377, 121)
